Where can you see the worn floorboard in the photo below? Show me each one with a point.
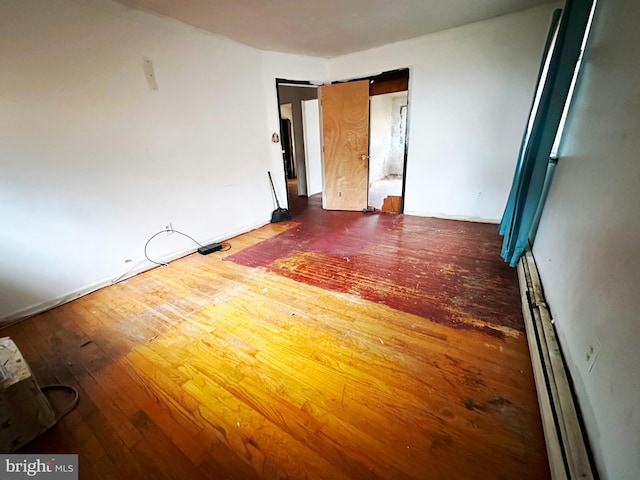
(335, 346)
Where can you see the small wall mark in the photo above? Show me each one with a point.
(149, 73)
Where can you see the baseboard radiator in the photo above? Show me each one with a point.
(566, 444)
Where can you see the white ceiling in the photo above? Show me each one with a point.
(328, 28)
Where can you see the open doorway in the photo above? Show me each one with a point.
(388, 107)
(364, 129)
(286, 139)
(291, 98)
(388, 126)
(311, 163)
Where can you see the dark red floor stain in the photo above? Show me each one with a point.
(446, 271)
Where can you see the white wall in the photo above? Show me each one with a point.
(386, 144)
(469, 95)
(93, 162)
(396, 153)
(588, 243)
(312, 146)
(286, 111)
(380, 126)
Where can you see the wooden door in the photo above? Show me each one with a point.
(344, 109)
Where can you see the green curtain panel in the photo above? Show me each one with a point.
(554, 81)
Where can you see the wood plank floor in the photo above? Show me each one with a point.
(283, 359)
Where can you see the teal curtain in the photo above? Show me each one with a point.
(544, 118)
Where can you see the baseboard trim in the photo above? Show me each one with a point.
(461, 218)
(567, 448)
(140, 267)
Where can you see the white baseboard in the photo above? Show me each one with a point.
(462, 218)
(567, 448)
(140, 267)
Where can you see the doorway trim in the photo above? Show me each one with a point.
(387, 76)
(283, 82)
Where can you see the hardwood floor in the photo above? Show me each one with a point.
(338, 345)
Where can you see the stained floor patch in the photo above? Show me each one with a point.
(446, 271)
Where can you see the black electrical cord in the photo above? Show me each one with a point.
(166, 231)
(184, 235)
(72, 404)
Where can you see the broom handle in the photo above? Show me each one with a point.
(274, 190)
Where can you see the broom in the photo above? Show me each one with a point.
(279, 214)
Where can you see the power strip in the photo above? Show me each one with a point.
(207, 249)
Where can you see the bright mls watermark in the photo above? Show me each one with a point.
(52, 467)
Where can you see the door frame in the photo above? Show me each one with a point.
(281, 82)
(385, 76)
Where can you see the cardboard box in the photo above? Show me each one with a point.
(25, 412)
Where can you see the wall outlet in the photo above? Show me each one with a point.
(168, 228)
(592, 354)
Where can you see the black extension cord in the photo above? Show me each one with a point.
(203, 250)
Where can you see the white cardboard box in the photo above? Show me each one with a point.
(25, 412)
